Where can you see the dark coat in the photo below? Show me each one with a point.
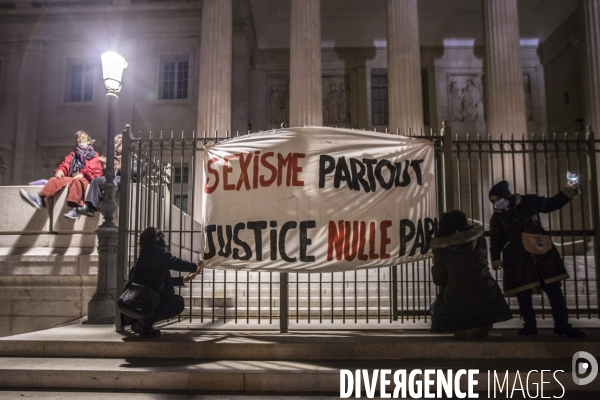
(153, 265)
(469, 296)
(506, 242)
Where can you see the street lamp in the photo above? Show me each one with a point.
(101, 308)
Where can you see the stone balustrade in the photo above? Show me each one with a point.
(48, 263)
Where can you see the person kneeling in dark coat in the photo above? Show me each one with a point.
(152, 270)
(470, 301)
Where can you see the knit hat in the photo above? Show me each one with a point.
(500, 189)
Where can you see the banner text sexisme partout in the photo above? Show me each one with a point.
(264, 170)
(347, 240)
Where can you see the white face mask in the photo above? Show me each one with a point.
(82, 145)
(501, 204)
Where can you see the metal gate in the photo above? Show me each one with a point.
(467, 166)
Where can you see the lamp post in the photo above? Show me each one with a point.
(101, 308)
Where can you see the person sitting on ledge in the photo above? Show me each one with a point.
(96, 191)
(152, 270)
(470, 301)
(76, 171)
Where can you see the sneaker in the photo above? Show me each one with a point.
(85, 211)
(569, 331)
(145, 330)
(34, 199)
(527, 330)
(71, 214)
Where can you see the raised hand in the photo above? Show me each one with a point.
(189, 277)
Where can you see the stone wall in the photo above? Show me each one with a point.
(48, 264)
(562, 55)
(453, 87)
(39, 122)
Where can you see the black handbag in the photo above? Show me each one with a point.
(138, 301)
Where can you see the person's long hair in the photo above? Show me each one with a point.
(452, 222)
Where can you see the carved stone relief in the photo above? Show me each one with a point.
(465, 94)
(279, 100)
(466, 97)
(336, 100)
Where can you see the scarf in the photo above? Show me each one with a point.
(79, 159)
(117, 162)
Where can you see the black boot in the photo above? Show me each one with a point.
(145, 330)
(526, 310)
(569, 331)
(481, 331)
(528, 330)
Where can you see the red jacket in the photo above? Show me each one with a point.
(92, 169)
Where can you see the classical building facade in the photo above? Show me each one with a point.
(249, 65)
(223, 67)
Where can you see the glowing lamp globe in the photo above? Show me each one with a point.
(112, 69)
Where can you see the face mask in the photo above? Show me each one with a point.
(501, 204)
(82, 145)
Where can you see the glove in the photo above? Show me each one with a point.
(497, 264)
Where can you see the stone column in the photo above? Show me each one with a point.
(504, 97)
(214, 93)
(405, 100)
(591, 15)
(503, 87)
(30, 89)
(240, 117)
(306, 92)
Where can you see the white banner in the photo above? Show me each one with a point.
(317, 200)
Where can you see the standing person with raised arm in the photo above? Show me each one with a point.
(520, 245)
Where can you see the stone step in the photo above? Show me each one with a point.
(391, 344)
(299, 376)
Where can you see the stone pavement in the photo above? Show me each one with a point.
(188, 358)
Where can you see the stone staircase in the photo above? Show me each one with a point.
(88, 358)
(48, 264)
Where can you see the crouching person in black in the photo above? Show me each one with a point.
(470, 301)
(152, 270)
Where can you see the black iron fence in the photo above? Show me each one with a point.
(162, 195)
